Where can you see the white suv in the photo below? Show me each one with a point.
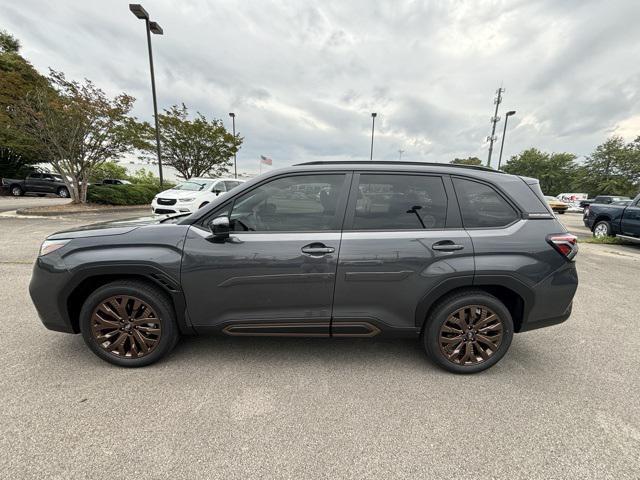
(192, 194)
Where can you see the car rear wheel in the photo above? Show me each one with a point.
(602, 229)
(128, 323)
(63, 192)
(17, 191)
(468, 332)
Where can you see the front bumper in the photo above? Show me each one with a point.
(178, 207)
(48, 280)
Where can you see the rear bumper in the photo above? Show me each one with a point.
(552, 299)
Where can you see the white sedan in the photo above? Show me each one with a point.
(192, 194)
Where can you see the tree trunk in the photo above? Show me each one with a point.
(83, 189)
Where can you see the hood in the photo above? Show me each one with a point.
(116, 227)
(171, 193)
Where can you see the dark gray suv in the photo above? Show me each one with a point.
(458, 257)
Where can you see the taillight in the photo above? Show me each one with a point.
(565, 244)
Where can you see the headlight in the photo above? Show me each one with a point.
(49, 246)
(190, 199)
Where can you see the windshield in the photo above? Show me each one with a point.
(194, 185)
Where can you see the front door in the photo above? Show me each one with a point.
(631, 219)
(402, 237)
(275, 274)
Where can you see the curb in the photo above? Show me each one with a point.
(53, 213)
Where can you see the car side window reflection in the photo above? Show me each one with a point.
(290, 204)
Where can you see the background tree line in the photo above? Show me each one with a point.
(613, 168)
(76, 127)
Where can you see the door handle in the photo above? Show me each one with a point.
(317, 249)
(446, 246)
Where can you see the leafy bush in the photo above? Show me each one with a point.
(139, 194)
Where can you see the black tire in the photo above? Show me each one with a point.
(561, 212)
(448, 306)
(155, 298)
(204, 204)
(16, 191)
(602, 229)
(63, 192)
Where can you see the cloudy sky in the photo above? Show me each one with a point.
(303, 77)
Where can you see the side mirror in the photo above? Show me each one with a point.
(217, 192)
(220, 227)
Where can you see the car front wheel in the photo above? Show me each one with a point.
(128, 323)
(468, 332)
(63, 192)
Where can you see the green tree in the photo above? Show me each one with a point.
(555, 171)
(18, 148)
(80, 128)
(466, 161)
(109, 169)
(196, 147)
(613, 168)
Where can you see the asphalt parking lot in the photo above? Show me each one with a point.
(563, 403)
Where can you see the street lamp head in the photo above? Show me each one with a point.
(155, 28)
(374, 115)
(138, 11)
(232, 115)
(511, 112)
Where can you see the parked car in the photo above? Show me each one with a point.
(604, 199)
(556, 205)
(192, 194)
(37, 182)
(620, 218)
(113, 181)
(456, 257)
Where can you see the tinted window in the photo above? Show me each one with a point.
(481, 206)
(219, 187)
(35, 175)
(399, 202)
(230, 184)
(300, 203)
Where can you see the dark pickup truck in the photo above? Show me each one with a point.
(621, 218)
(606, 199)
(38, 182)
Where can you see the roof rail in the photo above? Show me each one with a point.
(393, 162)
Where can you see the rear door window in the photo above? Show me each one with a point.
(481, 206)
(400, 202)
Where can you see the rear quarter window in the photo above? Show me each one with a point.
(481, 206)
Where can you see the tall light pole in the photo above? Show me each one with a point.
(495, 119)
(151, 27)
(504, 132)
(235, 164)
(373, 126)
(400, 152)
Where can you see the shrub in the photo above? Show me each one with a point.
(140, 194)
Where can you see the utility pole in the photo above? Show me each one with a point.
(494, 120)
(235, 163)
(400, 152)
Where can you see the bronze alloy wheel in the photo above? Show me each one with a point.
(470, 335)
(125, 326)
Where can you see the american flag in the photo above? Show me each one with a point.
(266, 160)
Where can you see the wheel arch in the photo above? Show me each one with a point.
(88, 281)
(509, 291)
(600, 218)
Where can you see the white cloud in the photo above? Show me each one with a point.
(303, 78)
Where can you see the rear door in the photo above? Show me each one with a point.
(402, 237)
(33, 183)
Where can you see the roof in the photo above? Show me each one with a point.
(360, 163)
